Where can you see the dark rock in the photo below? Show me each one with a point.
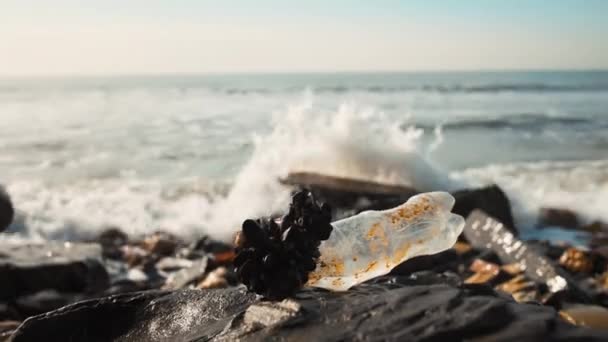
(111, 241)
(7, 328)
(44, 301)
(350, 196)
(162, 244)
(491, 200)
(144, 316)
(558, 217)
(7, 212)
(210, 246)
(91, 320)
(8, 312)
(595, 227)
(394, 308)
(65, 267)
(440, 262)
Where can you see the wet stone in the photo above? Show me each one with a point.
(215, 279)
(576, 261)
(160, 243)
(558, 217)
(491, 200)
(592, 316)
(485, 272)
(188, 275)
(27, 268)
(111, 241)
(350, 196)
(6, 328)
(522, 289)
(394, 308)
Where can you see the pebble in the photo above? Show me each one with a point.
(576, 261)
(215, 279)
(592, 316)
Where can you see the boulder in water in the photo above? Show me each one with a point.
(491, 200)
(7, 212)
(350, 196)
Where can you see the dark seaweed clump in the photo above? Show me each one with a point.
(274, 260)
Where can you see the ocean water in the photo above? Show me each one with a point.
(197, 154)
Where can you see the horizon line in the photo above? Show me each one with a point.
(289, 72)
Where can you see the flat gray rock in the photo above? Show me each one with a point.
(66, 267)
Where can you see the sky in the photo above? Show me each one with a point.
(105, 37)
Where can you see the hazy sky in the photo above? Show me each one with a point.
(153, 36)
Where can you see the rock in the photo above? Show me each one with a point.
(8, 312)
(215, 279)
(440, 262)
(91, 320)
(512, 269)
(558, 217)
(27, 268)
(491, 200)
(592, 316)
(522, 289)
(389, 308)
(134, 255)
(210, 246)
(188, 275)
(485, 272)
(170, 264)
(224, 258)
(160, 243)
(7, 328)
(595, 227)
(7, 212)
(603, 281)
(143, 316)
(350, 196)
(576, 261)
(462, 248)
(111, 241)
(44, 301)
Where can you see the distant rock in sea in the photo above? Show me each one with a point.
(6, 209)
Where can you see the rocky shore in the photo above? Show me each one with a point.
(491, 286)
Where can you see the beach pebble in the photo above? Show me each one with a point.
(215, 279)
(592, 316)
(576, 261)
(160, 244)
(484, 272)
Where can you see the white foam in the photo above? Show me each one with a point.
(581, 186)
(79, 197)
(347, 141)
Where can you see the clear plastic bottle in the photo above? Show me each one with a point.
(372, 243)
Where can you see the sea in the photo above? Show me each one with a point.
(197, 154)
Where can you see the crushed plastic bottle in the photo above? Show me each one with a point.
(372, 243)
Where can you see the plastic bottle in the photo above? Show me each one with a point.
(372, 243)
